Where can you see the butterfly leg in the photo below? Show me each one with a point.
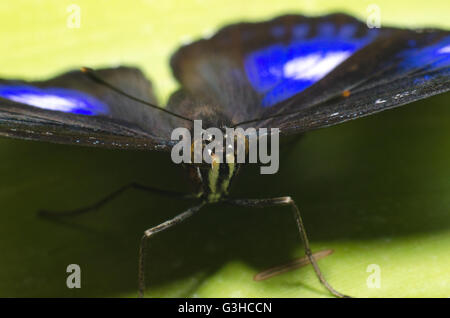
(113, 195)
(152, 231)
(261, 203)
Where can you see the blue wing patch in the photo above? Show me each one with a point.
(57, 99)
(280, 71)
(430, 57)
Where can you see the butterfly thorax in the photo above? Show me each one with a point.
(212, 182)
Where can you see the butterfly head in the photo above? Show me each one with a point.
(217, 146)
(218, 155)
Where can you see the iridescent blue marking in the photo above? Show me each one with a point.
(430, 57)
(57, 99)
(300, 31)
(278, 31)
(280, 71)
(347, 31)
(326, 30)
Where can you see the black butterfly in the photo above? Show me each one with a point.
(295, 73)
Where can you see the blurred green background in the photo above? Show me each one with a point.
(376, 190)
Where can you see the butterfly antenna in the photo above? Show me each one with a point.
(92, 75)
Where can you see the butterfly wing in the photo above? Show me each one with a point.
(312, 72)
(73, 109)
(242, 67)
(392, 71)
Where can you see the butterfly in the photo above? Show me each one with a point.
(294, 73)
